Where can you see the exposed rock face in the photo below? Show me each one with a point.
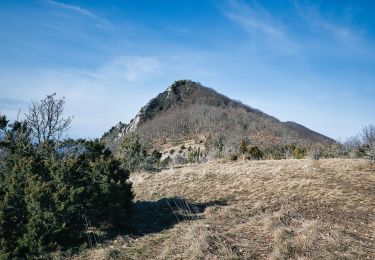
(133, 123)
(175, 93)
(178, 91)
(185, 98)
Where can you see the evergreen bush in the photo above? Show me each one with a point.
(255, 153)
(298, 153)
(47, 191)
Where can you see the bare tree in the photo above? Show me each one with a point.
(46, 119)
(350, 146)
(368, 134)
(368, 137)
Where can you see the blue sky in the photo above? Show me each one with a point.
(312, 62)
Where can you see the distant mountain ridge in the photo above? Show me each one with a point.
(188, 109)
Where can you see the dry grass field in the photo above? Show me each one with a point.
(286, 209)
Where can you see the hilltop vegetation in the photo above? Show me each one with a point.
(192, 123)
(187, 110)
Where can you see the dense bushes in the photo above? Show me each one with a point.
(134, 155)
(298, 153)
(46, 191)
(217, 146)
(255, 153)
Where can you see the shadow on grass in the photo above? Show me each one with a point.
(155, 216)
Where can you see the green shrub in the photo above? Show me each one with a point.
(255, 153)
(298, 153)
(276, 152)
(243, 148)
(152, 161)
(131, 153)
(233, 157)
(360, 152)
(45, 195)
(135, 157)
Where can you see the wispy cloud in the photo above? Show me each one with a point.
(253, 18)
(101, 22)
(73, 8)
(129, 68)
(314, 18)
(261, 25)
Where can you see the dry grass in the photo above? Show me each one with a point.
(288, 209)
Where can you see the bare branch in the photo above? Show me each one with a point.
(46, 119)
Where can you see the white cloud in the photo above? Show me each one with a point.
(72, 7)
(102, 23)
(254, 19)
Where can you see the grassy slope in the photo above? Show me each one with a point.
(254, 209)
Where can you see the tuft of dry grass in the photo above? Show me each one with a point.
(288, 209)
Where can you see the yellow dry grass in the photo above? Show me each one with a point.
(285, 209)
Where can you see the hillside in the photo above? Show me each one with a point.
(288, 209)
(189, 111)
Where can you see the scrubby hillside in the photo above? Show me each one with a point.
(187, 110)
(298, 209)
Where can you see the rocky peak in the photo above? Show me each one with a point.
(180, 89)
(177, 92)
(208, 111)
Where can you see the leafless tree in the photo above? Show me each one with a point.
(368, 137)
(368, 134)
(350, 146)
(46, 119)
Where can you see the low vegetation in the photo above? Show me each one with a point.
(139, 156)
(267, 209)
